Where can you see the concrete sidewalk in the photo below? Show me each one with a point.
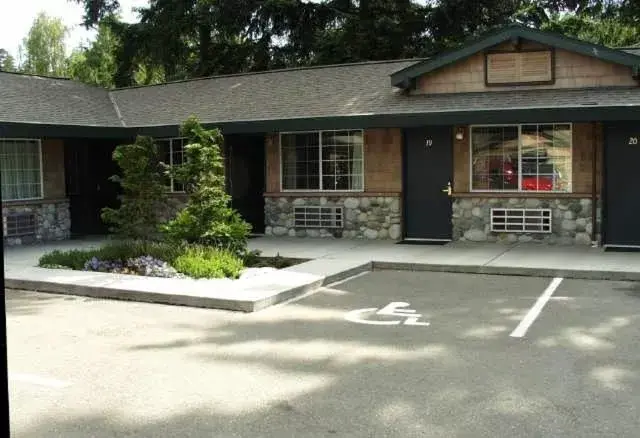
(489, 258)
(461, 254)
(330, 260)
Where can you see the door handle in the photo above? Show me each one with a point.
(448, 190)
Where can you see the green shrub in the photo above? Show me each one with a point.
(73, 259)
(198, 262)
(124, 250)
(143, 191)
(207, 218)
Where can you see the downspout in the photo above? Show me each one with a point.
(594, 186)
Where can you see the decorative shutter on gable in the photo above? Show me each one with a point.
(535, 66)
(519, 67)
(502, 68)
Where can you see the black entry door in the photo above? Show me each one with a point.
(246, 177)
(88, 166)
(428, 169)
(622, 184)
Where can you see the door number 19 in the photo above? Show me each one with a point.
(633, 140)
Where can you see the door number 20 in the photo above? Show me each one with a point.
(633, 140)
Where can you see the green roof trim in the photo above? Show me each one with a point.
(405, 77)
(400, 120)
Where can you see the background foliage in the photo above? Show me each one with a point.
(179, 39)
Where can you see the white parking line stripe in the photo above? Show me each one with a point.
(37, 380)
(536, 309)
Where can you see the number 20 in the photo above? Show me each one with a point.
(633, 140)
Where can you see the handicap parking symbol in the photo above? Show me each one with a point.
(397, 308)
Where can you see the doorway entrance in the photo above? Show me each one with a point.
(245, 155)
(622, 184)
(428, 169)
(88, 166)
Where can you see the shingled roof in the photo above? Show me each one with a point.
(347, 93)
(340, 90)
(57, 101)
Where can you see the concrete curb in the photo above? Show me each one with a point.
(510, 270)
(256, 299)
(338, 276)
(252, 303)
(285, 295)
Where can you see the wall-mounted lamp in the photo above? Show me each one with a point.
(460, 134)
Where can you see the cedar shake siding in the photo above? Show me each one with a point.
(383, 160)
(53, 169)
(571, 70)
(272, 157)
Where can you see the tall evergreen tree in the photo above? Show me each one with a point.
(194, 38)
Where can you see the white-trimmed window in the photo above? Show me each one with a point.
(521, 158)
(21, 167)
(322, 160)
(172, 153)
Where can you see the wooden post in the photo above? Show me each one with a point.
(594, 186)
(3, 339)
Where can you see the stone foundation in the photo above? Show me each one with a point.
(364, 217)
(571, 220)
(53, 222)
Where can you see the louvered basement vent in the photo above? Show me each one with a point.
(22, 224)
(521, 220)
(318, 217)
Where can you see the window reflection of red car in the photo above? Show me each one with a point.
(540, 183)
(505, 174)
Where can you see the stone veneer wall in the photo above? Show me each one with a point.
(571, 223)
(367, 217)
(53, 221)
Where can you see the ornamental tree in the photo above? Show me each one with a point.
(207, 217)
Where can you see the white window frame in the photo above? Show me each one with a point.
(170, 140)
(39, 142)
(319, 190)
(519, 190)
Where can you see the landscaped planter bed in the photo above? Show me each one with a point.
(159, 259)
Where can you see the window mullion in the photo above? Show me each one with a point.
(171, 162)
(40, 164)
(519, 158)
(320, 182)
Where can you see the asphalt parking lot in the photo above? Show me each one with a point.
(385, 354)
